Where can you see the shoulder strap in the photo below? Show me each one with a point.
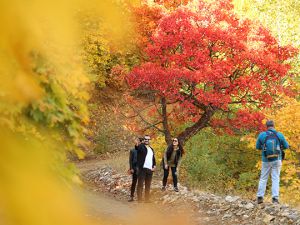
(268, 133)
(275, 132)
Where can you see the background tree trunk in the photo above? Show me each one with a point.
(167, 133)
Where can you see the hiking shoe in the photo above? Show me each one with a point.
(176, 189)
(131, 199)
(260, 200)
(163, 188)
(275, 201)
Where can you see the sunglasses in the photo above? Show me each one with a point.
(147, 139)
(175, 140)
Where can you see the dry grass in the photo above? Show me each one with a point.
(119, 162)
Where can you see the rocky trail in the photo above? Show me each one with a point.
(183, 207)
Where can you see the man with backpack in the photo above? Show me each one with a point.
(272, 145)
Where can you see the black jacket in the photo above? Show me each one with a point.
(133, 158)
(141, 156)
(167, 156)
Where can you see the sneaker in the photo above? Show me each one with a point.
(163, 188)
(131, 199)
(176, 189)
(260, 200)
(275, 201)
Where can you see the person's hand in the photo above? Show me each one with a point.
(130, 171)
(166, 167)
(154, 168)
(136, 142)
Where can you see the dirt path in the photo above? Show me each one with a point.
(106, 209)
(111, 209)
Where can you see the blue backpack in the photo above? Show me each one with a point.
(271, 146)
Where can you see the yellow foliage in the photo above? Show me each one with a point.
(287, 122)
(33, 166)
(159, 145)
(30, 191)
(279, 16)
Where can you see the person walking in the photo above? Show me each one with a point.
(133, 167)
(171, 160)
(146, 166)
(272, 145)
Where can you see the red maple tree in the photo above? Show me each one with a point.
(210, 68)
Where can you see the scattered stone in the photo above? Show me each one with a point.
(240, 213)
(293, 217)
(268, 218)
(195, 199)
(249, 206)
(227, 215)
(231, 199)
(225, 208)
(245, 216)
(283, 220)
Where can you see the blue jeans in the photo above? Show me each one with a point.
(267, 168)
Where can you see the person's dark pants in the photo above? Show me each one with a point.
(174, 175)
(144, 176)
(133, 183)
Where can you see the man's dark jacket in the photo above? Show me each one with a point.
(133, 158)
(141, 156)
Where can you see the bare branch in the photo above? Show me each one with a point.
(145, 121)
(153, 125)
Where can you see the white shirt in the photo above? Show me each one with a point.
(149, 159)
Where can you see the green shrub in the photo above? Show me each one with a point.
(102, 145)
(220, 163)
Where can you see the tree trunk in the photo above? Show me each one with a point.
(167, 133)
(199, 125)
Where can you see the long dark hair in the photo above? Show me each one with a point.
(170, 149)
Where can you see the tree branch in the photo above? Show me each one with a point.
(145, 121)
(199, 125)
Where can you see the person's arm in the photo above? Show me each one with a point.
(130, 160)
(259, 142)
(139, 155)
(179, 162)
(136, 146)
(165, 159)
(283, 142)
(154, 160)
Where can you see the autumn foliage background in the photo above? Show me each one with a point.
(76, 76)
